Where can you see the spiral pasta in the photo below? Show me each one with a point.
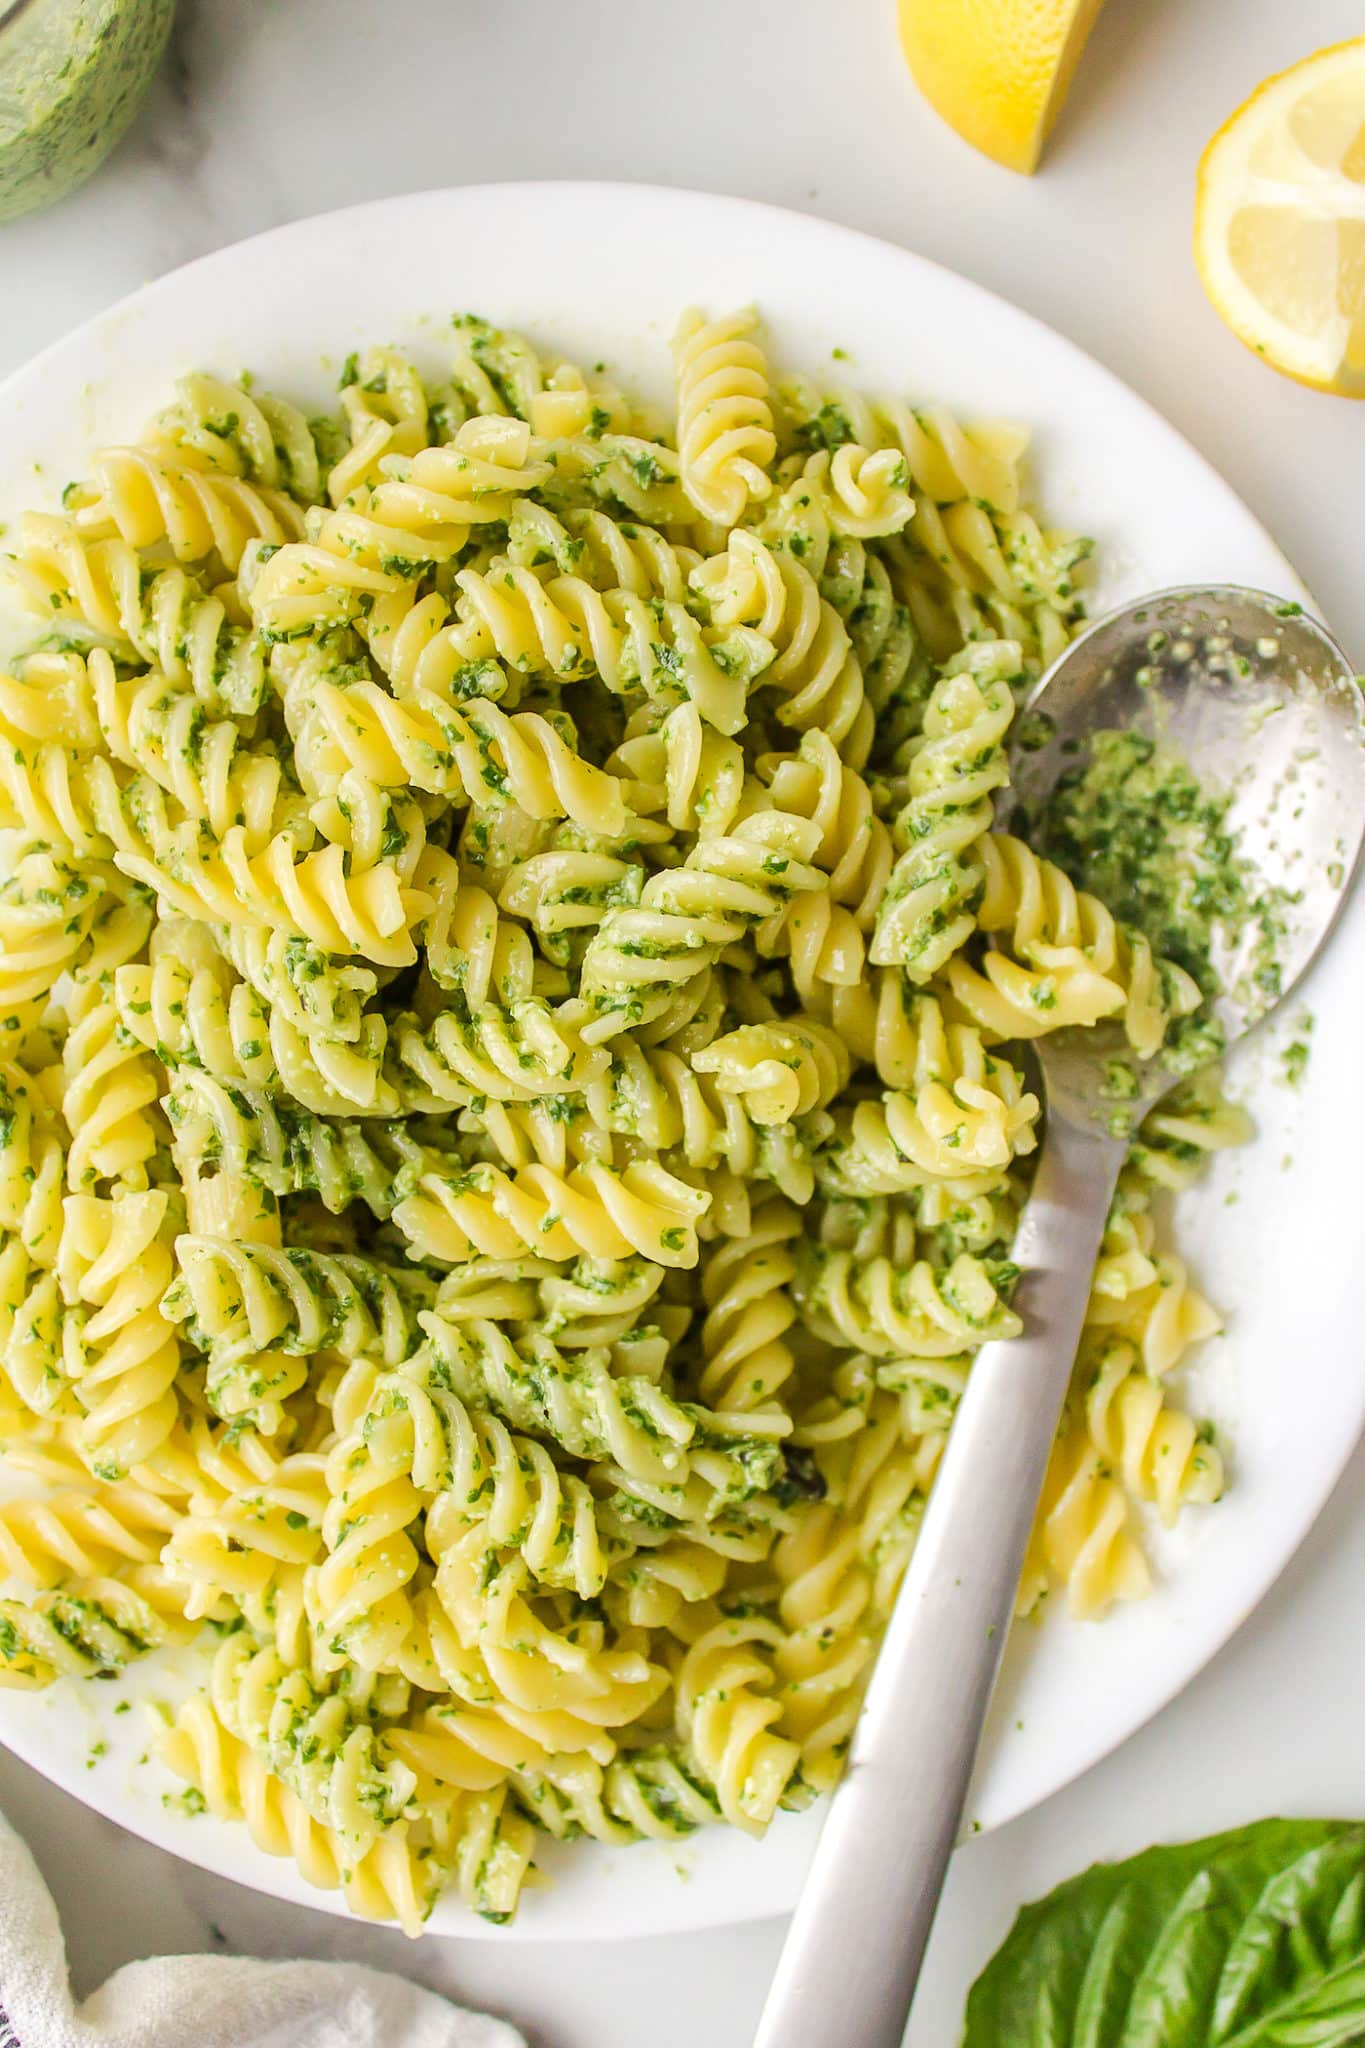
(781, 1070)
(946, 461)
(113, 1267)
(251, 1547)
(413, 1444)
(247, 433)
(1068, 962)
(51, 912)
(169, 619)
(596, 1208)
(607, 553)
(564, 629)
(314, 896)
(32, 1168)
(84, 1629)
(858, 493)
(814, 667)
(144, 496)
(161, 730)
(580, 1406)
(200, 1015)
(725, 427)
(470, 752)
(686, 917)
(657, 1097)
(390, 1881)
(878, 1307)
(838, 1567)
(1084, 1535)
(953, 1109)
(855, 847)
(78, 1534)
(726, 1711)
(749, 1310)
(386, 410)
(109, 1101)
(513, 1102)
(926, 911)
(1160, 1452)
(975, 563)
(243, 1298)
(903, 1139)
(380, 541)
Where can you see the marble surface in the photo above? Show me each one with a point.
(271, 109)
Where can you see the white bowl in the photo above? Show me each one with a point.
(601, 271)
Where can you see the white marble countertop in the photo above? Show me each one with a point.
(272, 109)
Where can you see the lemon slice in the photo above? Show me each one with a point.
(1279, 225)
(997, 70)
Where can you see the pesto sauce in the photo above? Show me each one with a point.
(1294, 1056)
(72, 76)
(1133, 825)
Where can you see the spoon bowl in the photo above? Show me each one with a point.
(1261, 704)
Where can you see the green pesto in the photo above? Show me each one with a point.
(1294, 1058)
(1133, 825)
(72, 75)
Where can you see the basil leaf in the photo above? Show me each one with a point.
(1253, 1939)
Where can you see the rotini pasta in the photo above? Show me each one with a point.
(725, 422)
(926, 911)
(1075, 964)
(168, 619)
(143, 496)
(514, 1107)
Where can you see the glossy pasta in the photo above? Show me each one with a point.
(514, 1104)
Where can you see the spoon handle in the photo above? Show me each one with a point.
(851, 1961)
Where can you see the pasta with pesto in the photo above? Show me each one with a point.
(515, 1097)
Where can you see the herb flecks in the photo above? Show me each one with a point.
(1132, 824)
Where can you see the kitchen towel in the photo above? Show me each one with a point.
(205, 2001)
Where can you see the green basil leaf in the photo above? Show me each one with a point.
(1253, 1939)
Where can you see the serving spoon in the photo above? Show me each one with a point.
(1263, 707)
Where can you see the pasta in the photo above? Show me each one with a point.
(514, 1101)
(725, 433)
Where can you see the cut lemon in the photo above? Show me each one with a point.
(997, 70)
(1279, 223)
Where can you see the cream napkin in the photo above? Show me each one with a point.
(205, 2001)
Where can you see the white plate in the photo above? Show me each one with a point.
(602, 271)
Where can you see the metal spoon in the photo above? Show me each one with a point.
(1262, 705)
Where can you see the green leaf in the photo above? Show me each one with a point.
(1253, 1939)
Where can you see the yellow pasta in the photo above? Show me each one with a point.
(513, 1105)
(725, 436)
(144, 496)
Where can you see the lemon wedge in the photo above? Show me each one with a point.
(1279, 224)
(997, 70)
